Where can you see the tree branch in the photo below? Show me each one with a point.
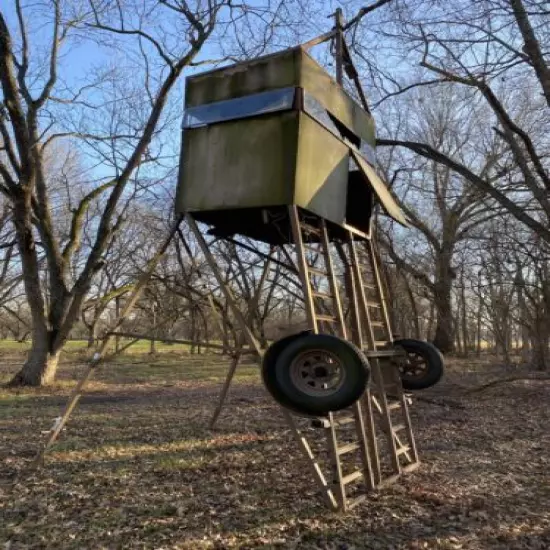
(77, 221)
(364, 11)
(429, 152)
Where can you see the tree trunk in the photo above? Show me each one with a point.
(41, 365)
(430, 326)
(444, 338)
(444, 330)
(193, 330)
(117, 314)
(540, 344)
(414, 316)
(92, 335)
(464, 317)
(460, 349)
(540, 354)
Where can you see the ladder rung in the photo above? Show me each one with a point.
(403, 450)
(377, 324)
(344, 421)
(394, 406)
(347, 448)
(398, 427)
(370, 287)
(381, 343)
(316, 271)
(327, 318)
(322, 295)
(373, 304)
(350, 478)
(352, 503)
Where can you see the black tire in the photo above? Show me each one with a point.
(315, 374)
(268, 368)
(424, 366)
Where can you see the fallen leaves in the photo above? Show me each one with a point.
(137, 468)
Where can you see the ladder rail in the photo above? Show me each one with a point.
(302, 267)
(368, 471)
(338, 484)
(364, 422)
(411, 456)
(380, 294)
(332, 279)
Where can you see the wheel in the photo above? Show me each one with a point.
(268, 368)
(423, 367)
(314, 374)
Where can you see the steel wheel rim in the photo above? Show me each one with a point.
(414, 366)
(317, 373)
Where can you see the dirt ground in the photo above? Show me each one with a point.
(137, 467)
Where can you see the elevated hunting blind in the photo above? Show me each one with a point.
(274, 149)
(271, 132)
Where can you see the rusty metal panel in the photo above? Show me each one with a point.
(239, 164)
(279, 70)
(321, 171)
(316, 81)
(383, 193)
(290, 68)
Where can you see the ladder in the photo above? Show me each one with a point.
(352, 434)
(354, 453)
(375, 332)
(345, 431)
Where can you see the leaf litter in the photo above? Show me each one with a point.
(137, 467)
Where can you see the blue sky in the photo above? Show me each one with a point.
(80, 57)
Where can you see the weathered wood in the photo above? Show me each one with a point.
(317, 40)
(251, 339)
(318, 475)
(338, 477)
(303, 267)
(335, 291)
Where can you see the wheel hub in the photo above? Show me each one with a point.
(414, 366)
(317, 372)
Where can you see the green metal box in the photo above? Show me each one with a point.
(271, 132)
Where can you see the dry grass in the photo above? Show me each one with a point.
(138, 468)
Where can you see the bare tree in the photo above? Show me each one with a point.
(162, 39)
(488, 47)
(444, 208)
